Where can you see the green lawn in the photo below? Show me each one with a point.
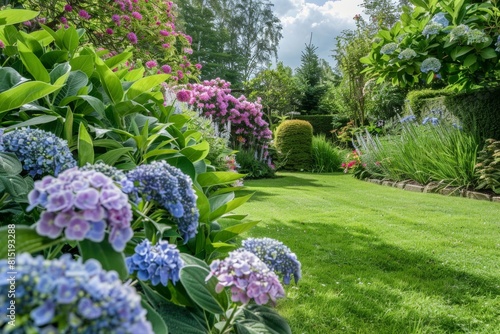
(377, 259)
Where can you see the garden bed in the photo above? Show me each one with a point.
(437, 188)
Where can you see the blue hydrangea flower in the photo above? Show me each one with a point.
(388, 48)
(432, 28)
(407, 54)
(83, 205)
(276, 256)
(475, 36)
(171, 189)
(159, 263)
(440, 18)
(247, 277)
(430, 64)
(459, 32)
(40, 152)
(497, 44)
(70, 296)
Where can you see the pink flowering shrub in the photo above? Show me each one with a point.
(149, 26)
(248, 128)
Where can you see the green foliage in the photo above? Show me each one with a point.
(278, 90)
(326, 157)
(460, 37)
(488, 166)
(418, 101)
(322, 124)
(310, 75)
(384, 100)
(109, 25)
(293, 140)
(422, 153)
(478, 111)
(252, 167)
(233, 39)
(217, 140)
(351, 45)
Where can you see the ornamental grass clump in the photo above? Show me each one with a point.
(158, 263)
(278, 257)
(82, 205)
(40, 152)
(247, 277)
(326, 158)
(170, 188)
(435, 151)
(69, 296)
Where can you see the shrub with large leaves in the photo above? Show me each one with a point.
(439, 43)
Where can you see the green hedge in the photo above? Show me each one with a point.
(478, 111)
(294, 144)
(322, 124)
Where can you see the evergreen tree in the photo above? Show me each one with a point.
(310, 75)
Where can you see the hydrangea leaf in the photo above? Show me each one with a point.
(27, 240)
(266, 316)
(9, 164)
(203, 292)
(159, 326)
(85, 146)
(105, 254)
(23, 94)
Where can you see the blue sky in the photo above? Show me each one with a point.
(324, 19)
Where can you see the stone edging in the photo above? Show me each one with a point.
(435, 188)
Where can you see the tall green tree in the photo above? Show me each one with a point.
(233, 39)
(277, 88)
(310, 75)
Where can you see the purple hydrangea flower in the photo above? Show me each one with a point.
(40, 152)
(171, 189)
(82, 205)
(68, 296)
(278, 257)
(247, 277)
(160, 263)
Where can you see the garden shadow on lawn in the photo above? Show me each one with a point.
(387, 288)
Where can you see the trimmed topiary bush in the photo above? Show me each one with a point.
(294, 144)
(322, 124)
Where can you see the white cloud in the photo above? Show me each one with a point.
(324, 19)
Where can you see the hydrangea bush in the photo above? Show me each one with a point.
(453, 43)
(82, 205)
(40, 152)
(69, 296)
